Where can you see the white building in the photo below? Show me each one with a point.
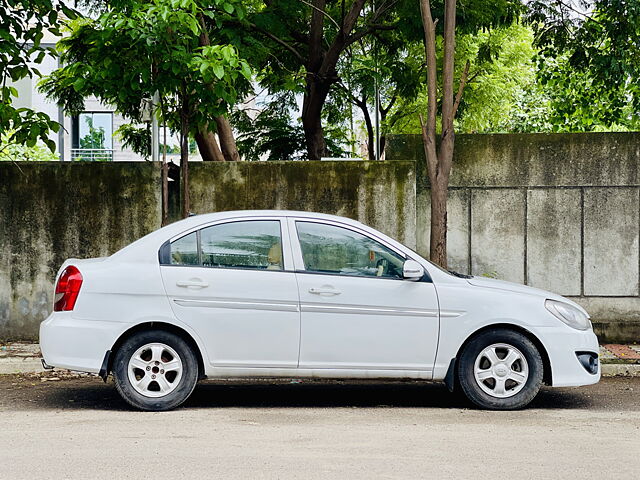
(87, 136)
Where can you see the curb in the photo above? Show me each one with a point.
(13, 365)
(17, 365)
(620, 370)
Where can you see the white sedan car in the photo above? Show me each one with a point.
(294, 294)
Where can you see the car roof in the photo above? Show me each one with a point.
(157, 237)
(208, 217)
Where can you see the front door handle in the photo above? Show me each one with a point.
(192, 283)
(324, 291)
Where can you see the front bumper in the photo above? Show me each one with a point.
(76, 344)
(563, 343)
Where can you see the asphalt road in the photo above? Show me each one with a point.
(79, 428)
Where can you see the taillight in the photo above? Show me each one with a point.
(67, 289)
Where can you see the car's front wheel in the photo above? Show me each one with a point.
(155, 370)
(500, 370)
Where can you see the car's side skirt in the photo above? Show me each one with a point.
(231, 372)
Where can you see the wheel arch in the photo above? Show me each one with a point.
(167, 327)
(547, 376)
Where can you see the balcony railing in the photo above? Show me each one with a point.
(92, 154)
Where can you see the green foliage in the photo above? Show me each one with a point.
(589, 63)
(138, 139)
(388, 49)
(502, 66)
(137, 47)
(273, 133)
(23, 24)
(503, 61)
(10, 150)
(269, 133)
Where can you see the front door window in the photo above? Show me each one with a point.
(336, 250)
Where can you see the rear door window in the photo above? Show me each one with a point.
(251, 244)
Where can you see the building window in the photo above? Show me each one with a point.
(92, 136)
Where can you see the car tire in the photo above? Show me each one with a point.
(500, 370)
(139, 370)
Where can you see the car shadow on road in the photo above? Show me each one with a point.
(295, 394)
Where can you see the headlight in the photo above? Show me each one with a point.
(568, 314)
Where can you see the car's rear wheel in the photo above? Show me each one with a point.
(500, 370)
(155, 370)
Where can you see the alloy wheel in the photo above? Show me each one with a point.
(155, 370)
(501, 370)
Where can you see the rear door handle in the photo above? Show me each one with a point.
(192, 283)
(324, 291)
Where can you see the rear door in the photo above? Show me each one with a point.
(357, 311)
(233, 283)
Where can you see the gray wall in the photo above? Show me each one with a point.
(379, 194)
(560, 212)
(555, 211)
(53, 211)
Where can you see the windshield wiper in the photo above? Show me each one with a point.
(458, 274)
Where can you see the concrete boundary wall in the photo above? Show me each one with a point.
(53, 211)
(379, 194)
(560, 212)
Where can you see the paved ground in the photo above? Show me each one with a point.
(79, 428)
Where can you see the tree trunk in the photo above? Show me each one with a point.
(228, 147)
(371, 139)
(321, 72)
(165, 192)
(227, 140)
(438, 237)
(184, 159)
(440, 160)
(165, 170)
(314, 98)
(208, 147)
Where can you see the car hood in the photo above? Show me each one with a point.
(517, 288)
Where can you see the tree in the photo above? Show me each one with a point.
(273, 131)
(443, 102)
(16, 152)
(142, 47)
(589, 62)
(388, 65)
(24, 23)
(296, 45)
(501, 91)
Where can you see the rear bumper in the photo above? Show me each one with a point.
(76, 344)
(563, 345)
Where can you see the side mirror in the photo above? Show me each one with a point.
(412, 270)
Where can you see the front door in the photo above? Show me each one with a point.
(357, 312)
(229, 282)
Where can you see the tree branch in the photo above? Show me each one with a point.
(448, 66)
(356, 36)
(322, 12)
(463, 82)
(316, 34)
(384, 111)
(428, 128)
(279, 41)
(339, 43)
